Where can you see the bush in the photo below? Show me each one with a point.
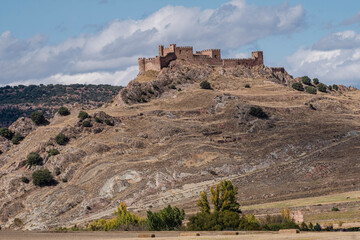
(83, 115)
(205, 85)
(306, 80)
(61, 139)
(247, 85)
(316, 81)
(335, 87)
(57, 171)
(108, 122)
(249, 223)
(335, 209)
(258, 112)
(317, 227)
(33, 158)
(63, 111)
(123, 220)
(298, 86)
(312, 107)
(64, 180)
(330, 88)
(166, 219)
(321, 87)
(6, 133)
(86, 124)
(16, 139)
(42, 177)
(310, 90)
(38, 118)
(216, 221)
(172, 87)
(53, 152)
(98, 120)
(25, 180)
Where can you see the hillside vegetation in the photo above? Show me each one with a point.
(21, 101)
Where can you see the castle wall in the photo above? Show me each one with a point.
(152, 64)
(164, 61)
(141, 62)
(185, 53)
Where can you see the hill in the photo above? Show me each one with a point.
(167, 140)
(21, 101)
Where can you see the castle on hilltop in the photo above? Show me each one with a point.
(204, 57)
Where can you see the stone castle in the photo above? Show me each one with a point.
(204, 57)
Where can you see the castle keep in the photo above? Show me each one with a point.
(204, 57)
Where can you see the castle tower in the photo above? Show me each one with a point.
(141, 62)
(258, 56)
(172, 47)
(161, 50)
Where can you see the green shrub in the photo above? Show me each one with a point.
(166, 219)
(57, 171)
(298, 86)
(42, 178)
(335, 209)
(108, 122)
(53, 152)
(64, 180)
(205, 85)
(98, 120)
(156, 87)
(33, 158)
(330, 87)
(172, 87)
(86, 124)
(150, 91)
(83, 115)
(25, 180)
(49, 143)
(179, 89)
(38, 118)
(335, 87)
(321, 87)
(16, 139)
(63, 111)
(249, 223)
(258, 112)
(310, 90)
(312, 107)
(6, 133)
(61, 139)
(317, 227)
(216, 221)
(247, 85)
(316, 81)
(306, 80)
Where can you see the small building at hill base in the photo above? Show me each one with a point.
(205, 57)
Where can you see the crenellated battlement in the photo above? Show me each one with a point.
(205, 57)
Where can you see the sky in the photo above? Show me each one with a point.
(99, 41)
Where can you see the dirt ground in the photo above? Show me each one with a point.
(19, 235)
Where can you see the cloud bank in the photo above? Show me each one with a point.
(333, 59)
(110, 55)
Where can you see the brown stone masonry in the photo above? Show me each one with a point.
(209, 57)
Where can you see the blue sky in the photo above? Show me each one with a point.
(99, 41)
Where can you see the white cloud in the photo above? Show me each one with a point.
(333, 59)
(115, 48)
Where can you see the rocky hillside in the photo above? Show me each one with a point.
(164, 140)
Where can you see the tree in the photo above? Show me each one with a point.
(258, 112)
(38, 118)
(203, 203)
(247, 85)
(16, 139)
(53, 152)
(6, 133)
(223, 197)
(321, 87)
(83, 115)
(63, 111)
(298, 86)
(316, 81)
(33, 158)
(317, 227)
(306, 80)
(61, 139)
(335, 87)
(205, 85)
(42, 178)
(86, 124)
(249, 222)
(310, 90)
(166, 219)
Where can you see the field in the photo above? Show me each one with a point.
(20, 235)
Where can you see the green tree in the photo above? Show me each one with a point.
(53, 152)
(317, 227)
(223, 197)
(205, 85)
(203, 203)
(258, 112)
(16, 139)
(6, 133)
(298, 86)
(310, 90)
(306, 80)
(83, 115)
(321, 87)
(33, 158)
(316, 81)
(42, 177)
(38, 118)
(63, 111)
(86, 124)
(61, 139)
(335, 87)
(249, 223)
(166, 219)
